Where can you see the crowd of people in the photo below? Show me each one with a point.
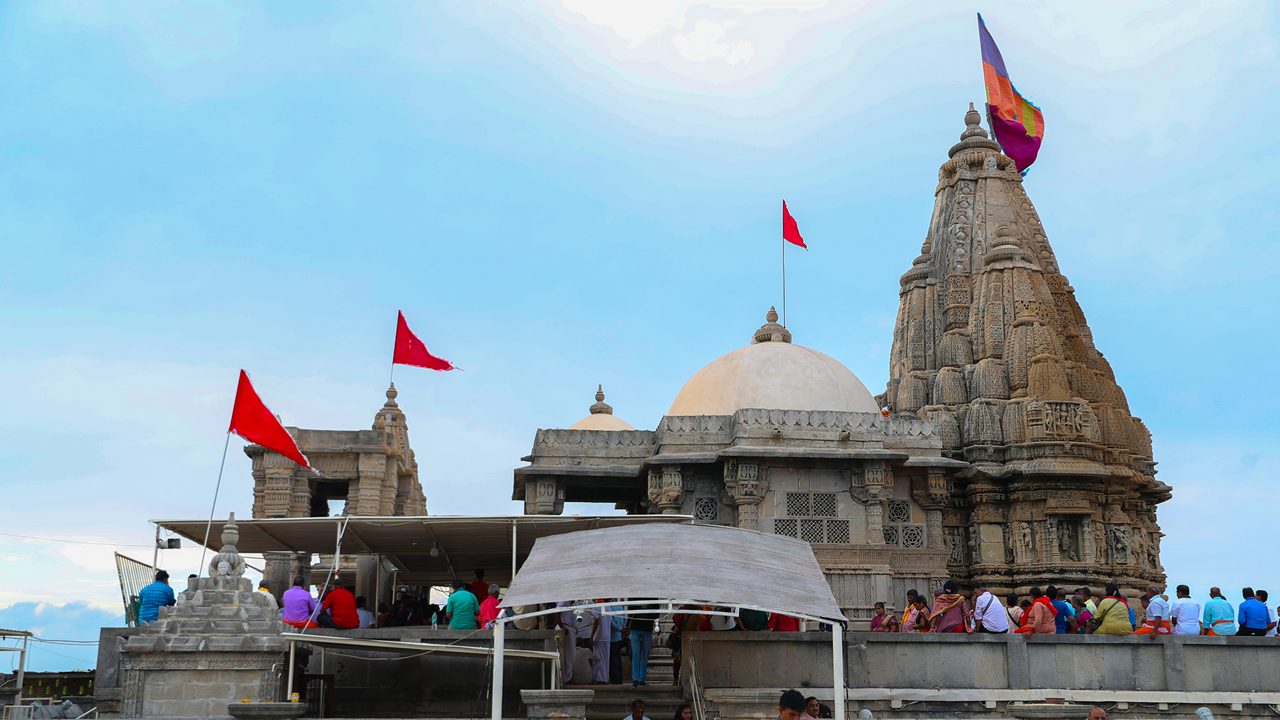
(1054, 610)
(609, 632)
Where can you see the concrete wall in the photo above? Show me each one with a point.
(369, 684)
(987, 674)
(200, 693)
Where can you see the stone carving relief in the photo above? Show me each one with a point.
(1118, 544)
(957, 545)
(1069, 540)
(1022, 550)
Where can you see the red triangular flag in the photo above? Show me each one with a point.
(791, 231)
(251, 420)
(410, 350)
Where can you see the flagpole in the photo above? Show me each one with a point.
(209, 525)
(784, 281)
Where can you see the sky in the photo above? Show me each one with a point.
(562, 193)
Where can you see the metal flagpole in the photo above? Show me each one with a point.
(209, 525)
(784, 281)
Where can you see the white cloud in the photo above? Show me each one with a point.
(707, 42)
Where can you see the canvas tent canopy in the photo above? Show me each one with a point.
(702, 564)
(727, 568)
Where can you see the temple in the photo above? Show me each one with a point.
(373, 471)
(1007, 455)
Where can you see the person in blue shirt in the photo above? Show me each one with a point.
(154, 596)
(1065, 620)
(1253, 617)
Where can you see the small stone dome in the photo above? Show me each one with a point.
(601, 417)
(773, 374)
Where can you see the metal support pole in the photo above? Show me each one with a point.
(499, 641)
(155, 553)
(513, 551)
(22, 669)
(293, 663)
(841, 696)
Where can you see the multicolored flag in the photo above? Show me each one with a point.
(1017, 124)
(790, 230)
(409, 350)
(251, 420)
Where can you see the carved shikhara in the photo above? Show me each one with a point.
(991, 345)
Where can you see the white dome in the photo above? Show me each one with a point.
(773, 374)
(601, 422)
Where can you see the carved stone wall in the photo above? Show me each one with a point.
(991, 345)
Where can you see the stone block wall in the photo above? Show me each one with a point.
(989, 675)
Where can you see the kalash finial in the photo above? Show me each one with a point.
(601, 407)
(771, 331)
(392, 393)
(974, 136)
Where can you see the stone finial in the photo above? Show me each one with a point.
(391, 394)
(974, 136)
(771, 330)
(228, 563)
(601, 407)
(230, 533)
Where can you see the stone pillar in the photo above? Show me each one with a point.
(879, 483)
(372, 471)
(875, 521)
(277, 570)
(747, 484)
(666, 489)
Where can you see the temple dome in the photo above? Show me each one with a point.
(773, 374)
(601, 417)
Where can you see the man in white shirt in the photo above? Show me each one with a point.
(1157, 622)
(367, 618)
(989, 616)
(1186, 613)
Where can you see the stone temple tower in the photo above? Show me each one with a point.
(991, 345)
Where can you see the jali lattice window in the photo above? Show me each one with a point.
(898, 529)
(706, 509)
(812, 517)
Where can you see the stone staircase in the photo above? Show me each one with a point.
(613, 702)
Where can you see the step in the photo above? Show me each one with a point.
(613, 702)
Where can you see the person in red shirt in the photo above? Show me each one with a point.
(479, 587)
(783, 623)
(339, 609)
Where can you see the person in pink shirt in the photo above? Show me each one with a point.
(489, 607)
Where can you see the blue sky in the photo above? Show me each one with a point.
(569, 193)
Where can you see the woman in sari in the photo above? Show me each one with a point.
(949, 610)
(883, 621)
(1083, 616)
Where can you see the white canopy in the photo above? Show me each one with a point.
(709, 564)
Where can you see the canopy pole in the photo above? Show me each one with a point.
(513, 551)
(293, 662)
(499, 643)
(840, 696)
